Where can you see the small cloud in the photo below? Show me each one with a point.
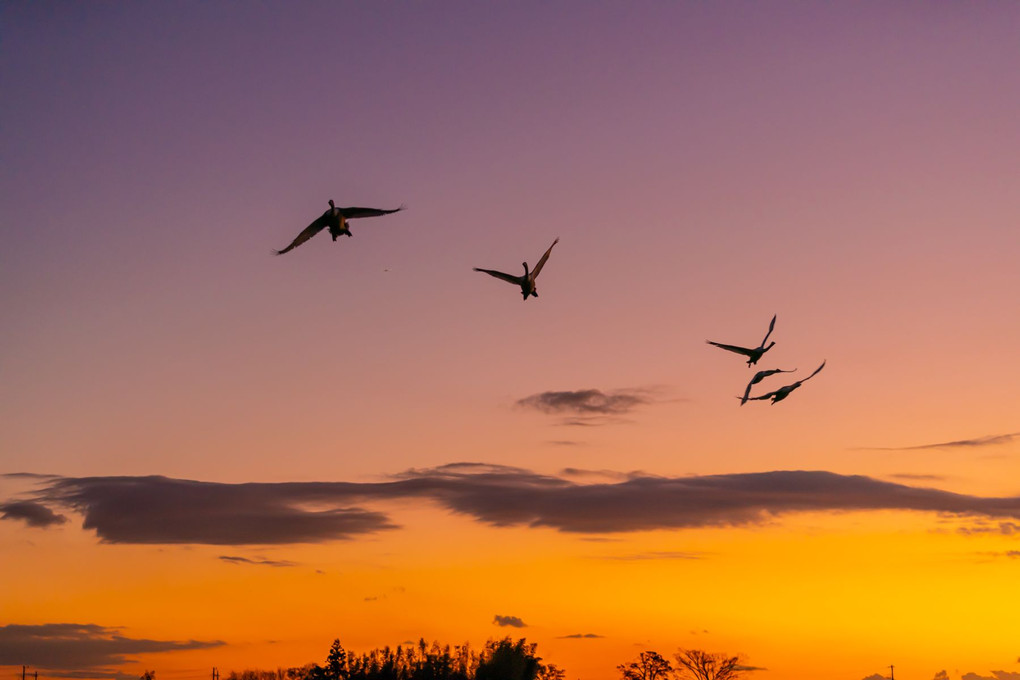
(511, 621)
(32, 513)
(988, 440)
(983, 527)
(564, 442)
(233, 559)
(919, 478)
(582, 473)
(655, 555)
(375, 598)
(876, 676)
(581, 636)
(586, 402)
(996, 675)
(590, 407)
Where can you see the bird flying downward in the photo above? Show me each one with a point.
(784, 392)
(527, 281)
(758, 377)
(752, 354)
(336, 219)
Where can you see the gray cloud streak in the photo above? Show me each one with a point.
(587, 402)
(581, 636)
(989, 440)
(162, 510)
(234, 559)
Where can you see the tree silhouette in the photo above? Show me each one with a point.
(649, 666)
(699, 665)
(148, 675)
(508, 660)
(336, 662)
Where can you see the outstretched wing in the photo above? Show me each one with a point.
(732, 348)
(815, 373)
(541, 263)
(767, 395)
(509, 278)
(309, 231)
(747, 392)
(771, 326)
(355, 212)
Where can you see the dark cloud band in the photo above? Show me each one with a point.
(162, 510)
(67, 649)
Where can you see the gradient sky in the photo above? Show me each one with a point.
(576, 463)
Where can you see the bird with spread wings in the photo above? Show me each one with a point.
(527, 281)
(758, 377)
(336, 219)
(784, 391)
(752, 354)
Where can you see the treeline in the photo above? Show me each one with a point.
(503, 659)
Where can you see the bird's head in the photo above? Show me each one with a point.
(331, 204)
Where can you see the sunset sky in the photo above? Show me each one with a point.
(214, 457)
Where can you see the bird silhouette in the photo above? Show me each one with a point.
(336, 219)
(758, 377)
(752, 354)
(784, 392)
(527, 281)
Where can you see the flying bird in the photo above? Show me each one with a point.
(336, 219)
(527, 281)
(758, 377)
(752, 354)
(784, 392)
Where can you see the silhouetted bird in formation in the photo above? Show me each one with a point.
(758, 377)
(784, 392)
(752, 354)
(526, 282)
(336, 219)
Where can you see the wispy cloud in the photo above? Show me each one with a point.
(234, 559)
(587, 402)
(979, 527)
(977, 442)
(1007, 554)
(508, 621)
(654, 555)
(918, 478)
(163, 510)
(590, 407)
(32, 513)
(80, 650)
(996, 675)
(581, 636)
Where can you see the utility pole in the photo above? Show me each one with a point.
(892, 676)
(23, 669)
(215, 674)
